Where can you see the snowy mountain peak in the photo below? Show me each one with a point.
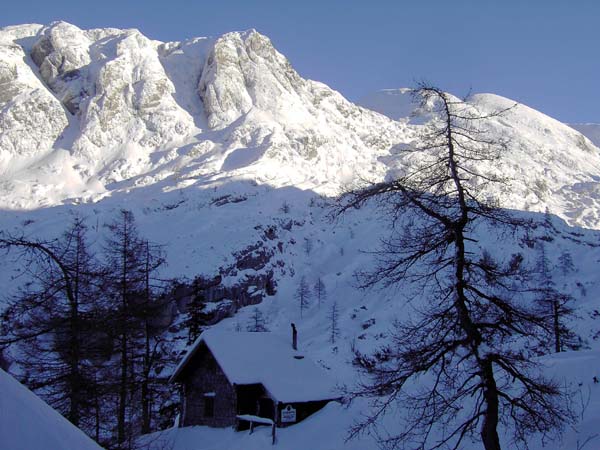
(111, 106)
(242, 71)
(60, 53)
(85, 114)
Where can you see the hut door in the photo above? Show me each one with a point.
(266, 408)
(248, 398)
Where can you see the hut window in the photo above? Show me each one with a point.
(209, 405)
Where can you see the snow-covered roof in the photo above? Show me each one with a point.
(265, 358)
(27, 423)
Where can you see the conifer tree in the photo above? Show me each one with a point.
(302, 295)
(134, 290)
(257, 323)
(155, 349)
(334, 329)
(68, 316)
(555, 305)
(124, 255)
(320, 291)
(565, 263)
(196, 318)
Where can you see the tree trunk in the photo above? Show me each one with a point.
(123, 325)
(145, 392)
(122, 391)
(97, 414)
(75, 346)
(556, 325)
(489, 433)
(75, 373)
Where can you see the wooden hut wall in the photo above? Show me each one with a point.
(204, 383)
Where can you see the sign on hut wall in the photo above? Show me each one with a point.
(288, 414)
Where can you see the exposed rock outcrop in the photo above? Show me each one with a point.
(31, 118)
(62, 55)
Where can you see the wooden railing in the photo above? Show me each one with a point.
(261, 420)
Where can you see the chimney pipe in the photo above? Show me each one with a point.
(294, 337)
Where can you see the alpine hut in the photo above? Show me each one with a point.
(234, 378)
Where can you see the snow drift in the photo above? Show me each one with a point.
(27, 423)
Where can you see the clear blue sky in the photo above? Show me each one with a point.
(545, 54)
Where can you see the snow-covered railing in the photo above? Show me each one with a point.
(257, 419)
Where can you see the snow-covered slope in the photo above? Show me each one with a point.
(549, 164)
(27, 423)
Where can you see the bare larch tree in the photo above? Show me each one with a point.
(469, 342)
(49, 318)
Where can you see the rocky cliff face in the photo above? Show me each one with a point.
(31, 118)
(116, 87)
(124, 106)
(61, 53)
